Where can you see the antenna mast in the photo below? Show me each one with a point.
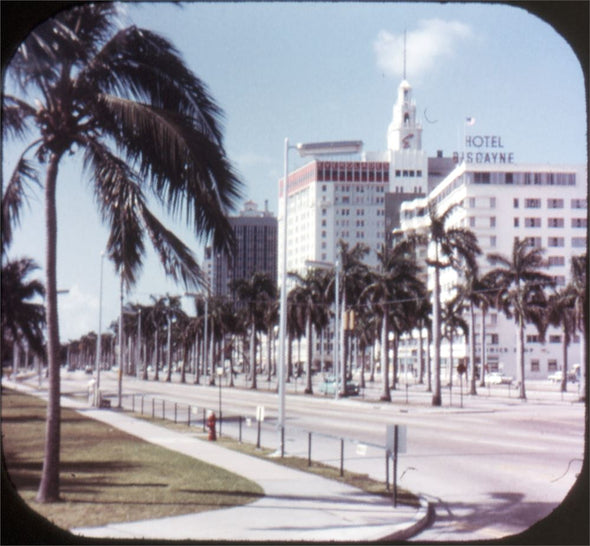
(404, 54)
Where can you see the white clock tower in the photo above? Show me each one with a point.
(404, 132)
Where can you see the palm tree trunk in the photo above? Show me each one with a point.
(49, 486)
(428, 361)
(436, 395)
(520, 356)
(253, 354)
(472, 389)
(484, 349)
(565, 345)
(386, 394)
(420, 354)
(395, 359)
(308, 386)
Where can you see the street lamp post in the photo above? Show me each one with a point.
(99, 339)
(317, 148)
(219, 376)
(336, 266)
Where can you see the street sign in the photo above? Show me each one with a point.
(260, 413)
(402, 438)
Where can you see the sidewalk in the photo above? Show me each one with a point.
(298, 506)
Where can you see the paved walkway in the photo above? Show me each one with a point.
(298, 506)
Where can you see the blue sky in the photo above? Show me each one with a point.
(330, 71)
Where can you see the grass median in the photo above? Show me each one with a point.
(107, 475)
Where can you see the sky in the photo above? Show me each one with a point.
(326, 71)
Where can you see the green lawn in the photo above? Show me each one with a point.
(107, 475)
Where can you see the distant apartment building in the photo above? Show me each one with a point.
(544, 204)
(256, 250)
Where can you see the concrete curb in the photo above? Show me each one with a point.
(422, 520)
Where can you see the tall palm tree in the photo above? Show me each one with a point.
(394, 292)
(255, 294)
(22, 319)
(579, 289)
(561, 312)
(310, 297)
(454, 247)
(521, 295)
(144, 122)
(453, 323)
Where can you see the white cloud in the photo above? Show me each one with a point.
(425, 46)
(78, 314)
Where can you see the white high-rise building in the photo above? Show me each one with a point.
(333, 200)
(544, 204)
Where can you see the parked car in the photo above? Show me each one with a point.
(497, 378)
(557, 376)
(328, 386)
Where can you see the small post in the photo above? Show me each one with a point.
(153, 407)
(341, 457)
(163, 408)
(387, 455)
(309, 449)
(188, 416)
(258, 435)
(395, 447)
(282, 442)
(204, 420)
(175, 411)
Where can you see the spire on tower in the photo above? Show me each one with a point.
(404, 54)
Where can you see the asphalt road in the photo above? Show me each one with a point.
(493, 467)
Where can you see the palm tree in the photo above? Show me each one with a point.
(310, 298)
(394, 292)
(521, 296)
(144, 121)
(453, 322)
(454, 247)
(579, 288)
(255, 294)
(21, 318)
(561, 312)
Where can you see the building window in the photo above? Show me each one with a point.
(532, 222)
(481, 178)
(534, 242)
(579, 204)
(579, 222)
(515, 202)
(554, 203)
(532, 203)
(492, 202)
(555, 260)
(552, 365)
(555, 241)
(516, 222)
(494, 339)
(578, 242)
(398, 173)
(532, 338)
(472, 221)
(492, 221)
(493, 241)
(535, 367)
(555, 222)
(509, 178)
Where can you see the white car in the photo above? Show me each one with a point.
(497, 378)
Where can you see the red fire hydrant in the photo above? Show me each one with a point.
(211, 426)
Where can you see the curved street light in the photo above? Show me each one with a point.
(304, 149)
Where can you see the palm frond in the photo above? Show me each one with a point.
(139, 64)
(15, 196)
(177, 259)
(15, 115)
(189, 173)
